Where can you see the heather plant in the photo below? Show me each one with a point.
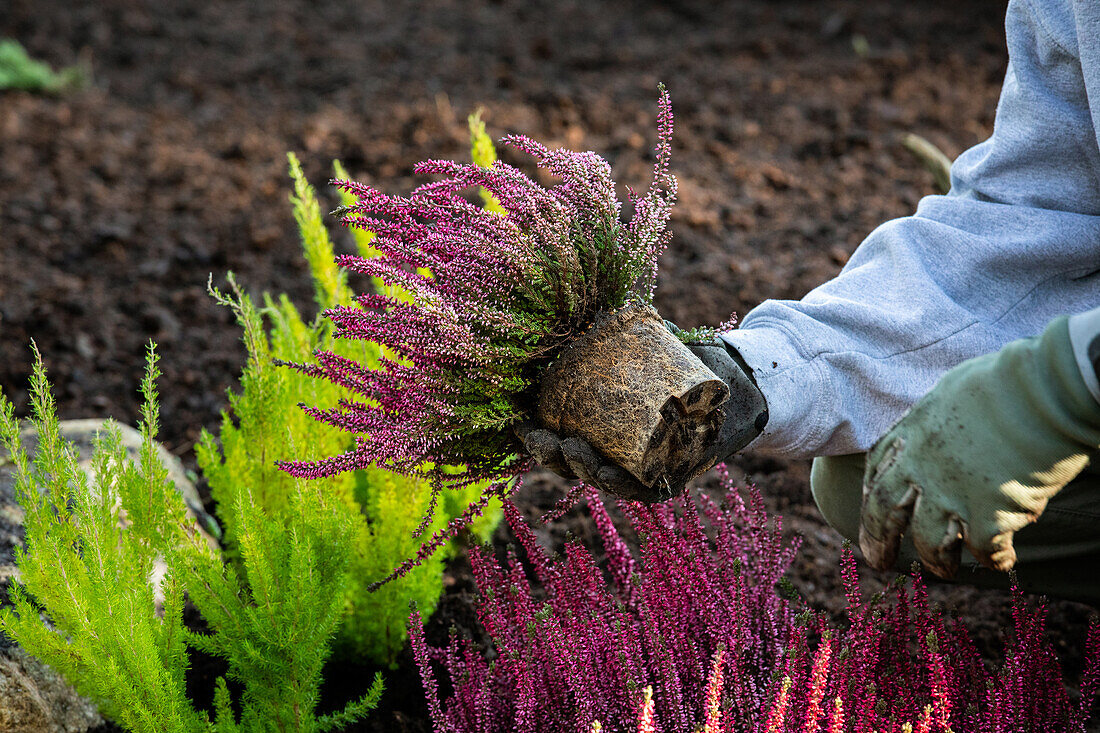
(701, 632)
(86, 604)
(263, 424)
(492, 299)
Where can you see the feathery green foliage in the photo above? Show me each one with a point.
(265, 424)
(87, 564)
(483, 153)
(20, 71)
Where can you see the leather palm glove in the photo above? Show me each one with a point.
(574, 458)
(978, 457)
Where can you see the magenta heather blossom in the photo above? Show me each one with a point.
(486, 301)
(698, 634)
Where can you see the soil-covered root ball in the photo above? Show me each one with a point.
(633, 391)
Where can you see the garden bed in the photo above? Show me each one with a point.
(117, 201)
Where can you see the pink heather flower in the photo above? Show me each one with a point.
(501, 295)
(836, 717)
(694, 633)
(646, 722)
(818, 678)
(924, 725)
(485, 301)
(778, 712)
(713, 699)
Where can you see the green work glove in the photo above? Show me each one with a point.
(979, 457)
(574, 458)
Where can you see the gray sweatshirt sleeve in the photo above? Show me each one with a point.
(1014, 244)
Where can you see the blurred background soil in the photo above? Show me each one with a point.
(119, 200)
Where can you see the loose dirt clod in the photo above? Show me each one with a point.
(637, 394)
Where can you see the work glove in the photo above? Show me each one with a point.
(978, 457)
(574, 458)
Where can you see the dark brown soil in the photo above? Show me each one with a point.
(118, 201)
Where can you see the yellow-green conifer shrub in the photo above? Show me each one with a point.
(86, 604)
(265, 424)
(484, 154)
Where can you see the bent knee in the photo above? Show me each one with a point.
(837, 486)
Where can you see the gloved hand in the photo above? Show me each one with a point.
(979, 456)
(573, 458)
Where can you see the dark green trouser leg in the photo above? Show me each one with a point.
(1058, 556)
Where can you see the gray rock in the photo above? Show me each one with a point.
(34, 698)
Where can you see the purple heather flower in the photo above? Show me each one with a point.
(479, 304)
(484, 302)
(694, 633)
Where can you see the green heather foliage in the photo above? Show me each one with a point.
(89, 554)
(20, 71)
(264, 424)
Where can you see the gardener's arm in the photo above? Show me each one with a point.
(1013, 245)
(978, 458)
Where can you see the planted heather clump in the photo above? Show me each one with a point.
(496, 300)
(588, 650)
(699, 634)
